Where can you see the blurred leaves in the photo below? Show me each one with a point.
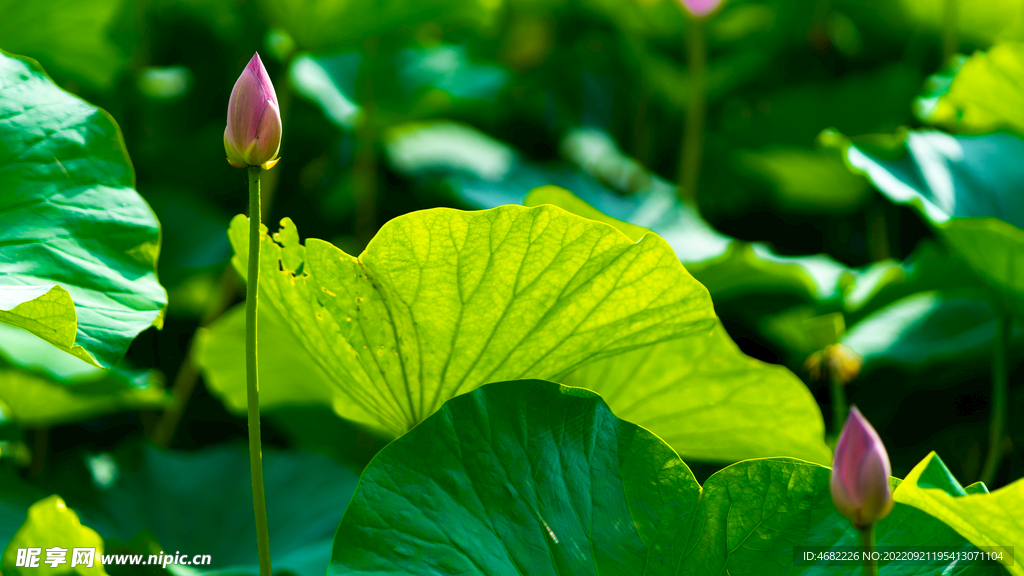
(978, 94)
(68, 37)
(967, 187)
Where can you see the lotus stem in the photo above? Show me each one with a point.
(252, 383)
(837, 390)
(950, 37)
(1000, 396)
(867, 539)
(693, 134)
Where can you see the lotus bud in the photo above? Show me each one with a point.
(253, 134)
(701, 8)
(860, 473)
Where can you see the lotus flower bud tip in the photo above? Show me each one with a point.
(701, 8)
(253, 133)
(860, 473)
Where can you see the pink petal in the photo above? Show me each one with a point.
(701, 8)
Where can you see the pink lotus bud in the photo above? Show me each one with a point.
(701, 8)
(253, 134)
(860, 473)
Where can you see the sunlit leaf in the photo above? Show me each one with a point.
(709, 401)
(51, 524)
(71, 38)
(442, 301)
(984, 519)
(80, 245)
(289, 376)
(978, 94)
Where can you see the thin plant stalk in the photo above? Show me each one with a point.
(950, 35)
(867, 540)
(693, 133)
(1000, 396)
(837, 390)
(252, 383)
(365, 163)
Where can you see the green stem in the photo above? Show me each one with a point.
(1000, 396)
(839, 408)
(251, 295)
(693, 135)
(867, 539)
(950, 38)
(365, 163)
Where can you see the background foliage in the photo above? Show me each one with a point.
(806, 232)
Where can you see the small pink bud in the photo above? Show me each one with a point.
(253, 133)
(860, 473)
(701, 8)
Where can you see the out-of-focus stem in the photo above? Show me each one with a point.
(252, 289)
(950, 35)
(867, 540)
(641, 128)
(40, 446)
(693, 133)
(1000, 396)
(878, 233)
(837, 390)
(365, 163)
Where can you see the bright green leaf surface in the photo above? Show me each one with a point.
(534, 478)
(289, 376)
(709, 401)
(968, 187)
(981, 94)
(79, 244)
(442, 301)
(50, 523)
(70, 37)
(984, 519)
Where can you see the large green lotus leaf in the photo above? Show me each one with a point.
(534, 478)
(984, 519)
(50, 523)
(408, 83)
(978, 94)
(80, 245)
(442, 301)
(954, 329)
(201, 503)
(69, 37)
(965, 186)
(709, 401)
(289, 376)
(479, 172)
